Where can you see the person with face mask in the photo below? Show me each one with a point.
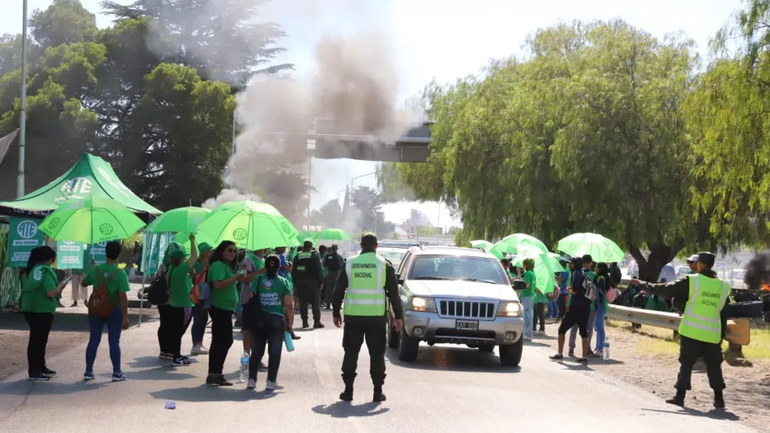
(702, 326)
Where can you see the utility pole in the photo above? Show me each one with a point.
(23, 119)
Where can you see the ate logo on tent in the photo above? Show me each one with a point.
(26, 229)
(77, 186)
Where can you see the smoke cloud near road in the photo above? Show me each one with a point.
(355, 83)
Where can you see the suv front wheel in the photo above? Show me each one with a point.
(510, 354)
(407, 347)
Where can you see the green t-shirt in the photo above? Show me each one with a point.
(34, 293)
(119, 283)
(529, 278)
(258, 263)
(271, 293)
(225, 298)
(181, 286)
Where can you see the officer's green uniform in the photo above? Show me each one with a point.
(307, 277)
(366, 283)
(701, 328)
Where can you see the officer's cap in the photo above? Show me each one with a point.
(707, 258)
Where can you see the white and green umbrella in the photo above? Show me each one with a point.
(600, 248)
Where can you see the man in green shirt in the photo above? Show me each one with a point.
(179, 277)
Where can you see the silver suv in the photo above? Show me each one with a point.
(457, 296)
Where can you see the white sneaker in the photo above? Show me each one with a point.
(272, 386)
(199, 350)
(252, 384)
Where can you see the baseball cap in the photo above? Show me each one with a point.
(693, 258)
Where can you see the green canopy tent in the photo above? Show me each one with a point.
(90, 176)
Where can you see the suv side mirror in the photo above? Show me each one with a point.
(400, 280)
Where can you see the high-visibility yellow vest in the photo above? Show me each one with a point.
(365, 295)
(702, 320)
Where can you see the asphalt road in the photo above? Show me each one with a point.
(451, 389)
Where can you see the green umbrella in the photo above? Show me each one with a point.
(250, 225)
(600, 248)
(91, 221)
(511, 245)
(185, 219)
(333, 235)
(183, 238)
(482, 245)
(545, 267)
(306, 235)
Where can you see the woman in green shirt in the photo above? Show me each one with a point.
(223, 277)
(528, 297)
(38, 304)
(180, 312)
(277, 306)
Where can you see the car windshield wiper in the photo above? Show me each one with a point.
(430, 277)
(476, 280)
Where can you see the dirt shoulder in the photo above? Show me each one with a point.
(648, 360)
(70, 331)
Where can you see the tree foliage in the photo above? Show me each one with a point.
(587, 132)
(140, 93)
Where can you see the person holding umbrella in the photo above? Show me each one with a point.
(702, 327)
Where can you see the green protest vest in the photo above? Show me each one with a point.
(365, 295)
(701, 320)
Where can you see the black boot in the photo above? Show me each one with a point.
(378, 395)
(318, 325)
(719, 400)
(347, 395)
(305, 324)
(678, 399)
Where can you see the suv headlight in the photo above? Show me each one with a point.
(426, 305)
(509, 309)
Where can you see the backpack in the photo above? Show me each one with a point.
(616, 275)
(99, 303)
(197, 295)
(158, 293)
(590, 288)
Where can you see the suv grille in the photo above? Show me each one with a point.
(466, 309)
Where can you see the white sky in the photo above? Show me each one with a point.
(445, 39)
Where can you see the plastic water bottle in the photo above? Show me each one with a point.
(244, 368)
(606, 350)
(288, 341)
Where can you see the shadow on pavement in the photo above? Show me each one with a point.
(162, 372)
(25, 387)
(65, 321)
(713, 414)
(452, 359)
(204, 393)
(575, 366)
(343, 409)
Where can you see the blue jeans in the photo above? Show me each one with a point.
(528, 303)
(114, 329)
(199, 318)
(553, 310)
(601, 336)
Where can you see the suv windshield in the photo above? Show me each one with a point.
(393, 255)
(485, 269)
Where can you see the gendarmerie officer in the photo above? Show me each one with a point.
(366, 284)
(702, 326)
(307, 276)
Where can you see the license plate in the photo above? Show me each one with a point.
(467, 325)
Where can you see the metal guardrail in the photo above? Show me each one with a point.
(738, 330)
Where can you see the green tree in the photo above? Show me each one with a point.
(64, 22)
(728, 125)
(584, 133)
(220, 38)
